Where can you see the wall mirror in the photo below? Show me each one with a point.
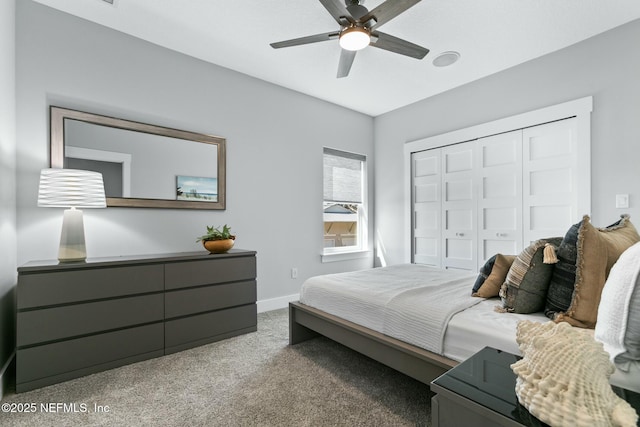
(142, 165)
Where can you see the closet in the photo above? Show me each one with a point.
(494, 194)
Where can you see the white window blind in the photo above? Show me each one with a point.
(343, 175)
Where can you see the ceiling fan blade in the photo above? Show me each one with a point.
(306, 40)
(338, 10)
(387, 11)
(346, 59)
(396, 45)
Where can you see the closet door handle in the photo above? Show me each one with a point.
(459, 234)
(501, 234)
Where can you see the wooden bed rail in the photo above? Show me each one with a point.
(307, 322)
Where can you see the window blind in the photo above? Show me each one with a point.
(343, 175)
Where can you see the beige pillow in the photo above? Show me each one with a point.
(491, 286)
(598, 250)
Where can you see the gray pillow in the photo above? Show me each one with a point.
(525, 288)
(563, 277)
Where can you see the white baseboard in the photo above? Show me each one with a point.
(6, 377)
(276, 303)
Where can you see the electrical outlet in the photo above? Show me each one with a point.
(294, 273)
(622, 201)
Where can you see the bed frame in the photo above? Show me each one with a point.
(306, 322)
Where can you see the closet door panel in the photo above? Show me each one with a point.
(498, 245)
(459, 253)
(499, 231)
(459, 212)
(459, 158)
(550, 140)
(426, 193)
(500, 216)
(550, 179)
(548, 221)
(500, 195)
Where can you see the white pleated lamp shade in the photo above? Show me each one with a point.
(71, 189)
(66, 188)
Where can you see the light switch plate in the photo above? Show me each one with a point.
(622, 201)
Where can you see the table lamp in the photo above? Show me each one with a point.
(71, 188)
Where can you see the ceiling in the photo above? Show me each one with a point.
(490, 35)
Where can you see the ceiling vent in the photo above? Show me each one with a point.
(446, 58)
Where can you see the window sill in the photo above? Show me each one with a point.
(345, 256)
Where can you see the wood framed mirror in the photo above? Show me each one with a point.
(143, 165)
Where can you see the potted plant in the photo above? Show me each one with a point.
(217, 240)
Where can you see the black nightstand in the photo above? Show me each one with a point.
(480, 392)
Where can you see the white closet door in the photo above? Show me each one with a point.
(426, 186)
(459, 206)
(550, 174)
(500, 195)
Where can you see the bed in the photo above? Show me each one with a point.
(382, 313)
(379, 312)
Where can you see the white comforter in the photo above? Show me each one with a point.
(410, 302)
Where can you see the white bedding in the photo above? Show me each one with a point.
(629, 378)
(410, 302)
(479, 326)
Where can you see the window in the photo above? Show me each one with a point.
(344, 208)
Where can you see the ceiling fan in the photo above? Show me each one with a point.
(358, 30)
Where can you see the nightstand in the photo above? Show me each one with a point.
(480, 392)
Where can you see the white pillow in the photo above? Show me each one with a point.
(618, 326)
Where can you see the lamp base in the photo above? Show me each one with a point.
(72, 247)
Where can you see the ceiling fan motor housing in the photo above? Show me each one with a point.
(356, 10)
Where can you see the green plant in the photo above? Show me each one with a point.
(214, 233)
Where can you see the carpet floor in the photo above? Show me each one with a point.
(255, 379)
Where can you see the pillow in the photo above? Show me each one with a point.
(563, 278)
(485, 271)
(491, 285)
(525, 287)
(597, 251)
(618, 327)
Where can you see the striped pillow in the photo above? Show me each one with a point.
(525, 288)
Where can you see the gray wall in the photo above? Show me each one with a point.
(274, 146)
(606, 67)
(7, 186)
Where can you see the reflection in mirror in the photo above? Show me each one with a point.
(142, 165)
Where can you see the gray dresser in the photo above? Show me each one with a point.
(75, 319)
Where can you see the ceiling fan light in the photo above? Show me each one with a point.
(354, 38)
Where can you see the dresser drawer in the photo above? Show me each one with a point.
(208, 327)
(208, 298)
(79, 354)
(75, 319)
(62, 287)
(209, 272)
(57, 323)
